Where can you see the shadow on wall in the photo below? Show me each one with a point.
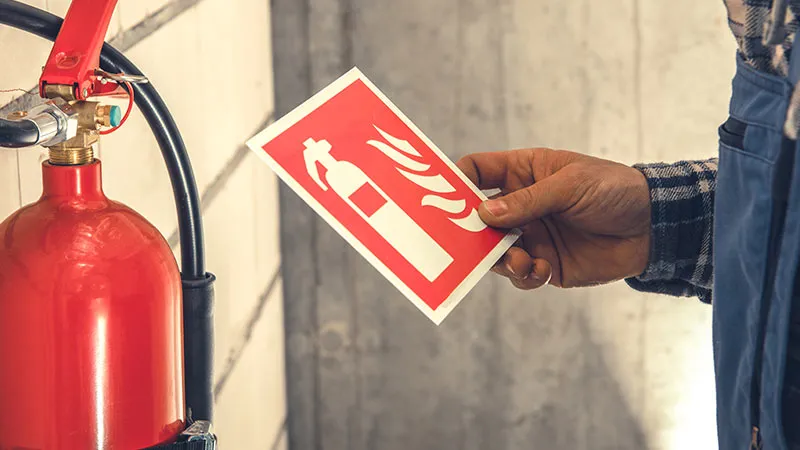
(366, 371)
(614, 425)
(527, 398)
(545, 384)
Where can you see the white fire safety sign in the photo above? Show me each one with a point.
(365, 168)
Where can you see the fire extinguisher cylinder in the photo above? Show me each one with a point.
(90, 322)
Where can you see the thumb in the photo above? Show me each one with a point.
(551, 195)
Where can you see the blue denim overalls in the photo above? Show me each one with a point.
(756, 251)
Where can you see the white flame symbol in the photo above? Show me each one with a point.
(412, 170)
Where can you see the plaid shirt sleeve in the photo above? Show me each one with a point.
(682, 202)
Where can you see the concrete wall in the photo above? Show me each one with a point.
(211, 61)
(603, 368)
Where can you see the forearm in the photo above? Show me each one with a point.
(682, 213)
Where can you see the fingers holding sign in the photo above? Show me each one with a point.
(520, 202)
(585, 221)
(524, 271)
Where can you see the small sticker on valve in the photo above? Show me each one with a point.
(373, 176)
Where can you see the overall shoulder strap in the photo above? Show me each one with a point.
(794, 59)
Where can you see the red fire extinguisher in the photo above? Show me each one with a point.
(104, 343)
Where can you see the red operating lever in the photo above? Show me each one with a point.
(76, 53)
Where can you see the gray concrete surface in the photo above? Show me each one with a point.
(603, 368)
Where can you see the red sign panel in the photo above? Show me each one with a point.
(387, 189)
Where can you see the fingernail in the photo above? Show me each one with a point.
(514, 273)
(496, 207)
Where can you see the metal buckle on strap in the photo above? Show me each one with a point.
(755, 439)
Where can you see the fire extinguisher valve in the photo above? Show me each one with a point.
(72, 128)
(69, 129)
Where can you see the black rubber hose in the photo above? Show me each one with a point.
(18, 133)
(172, 147)
(184, 187)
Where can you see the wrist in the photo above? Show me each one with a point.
(681, 197)
(644, 249)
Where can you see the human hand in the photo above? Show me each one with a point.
(584, 220)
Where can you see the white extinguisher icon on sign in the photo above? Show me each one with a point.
(384, 215)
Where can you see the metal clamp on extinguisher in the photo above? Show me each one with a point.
(104, 343)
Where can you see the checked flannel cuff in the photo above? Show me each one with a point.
(682, 204)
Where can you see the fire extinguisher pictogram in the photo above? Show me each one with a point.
(384, 215)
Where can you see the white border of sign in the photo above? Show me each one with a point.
(257, 142)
